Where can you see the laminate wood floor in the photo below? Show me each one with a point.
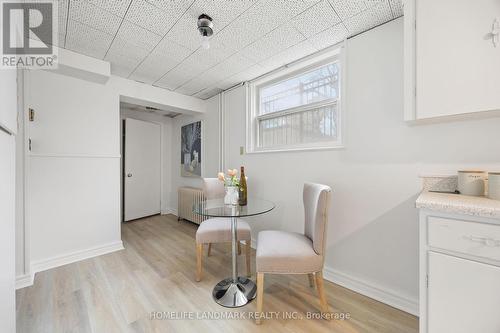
(135, 289)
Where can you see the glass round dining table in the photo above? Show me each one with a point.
(234, 291)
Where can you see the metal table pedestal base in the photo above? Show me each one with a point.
(233, 295)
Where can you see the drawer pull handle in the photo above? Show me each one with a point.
(484, 240)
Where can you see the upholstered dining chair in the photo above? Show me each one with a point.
(282, 252)
(218, 230)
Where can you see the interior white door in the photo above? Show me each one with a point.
(142, 170)
(463, 295)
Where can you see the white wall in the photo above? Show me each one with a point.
(73, 192)
(166, 151)
(210, 149)
(373, 232)
(8, 113)
(73, 201)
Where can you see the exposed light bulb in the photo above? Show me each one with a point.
(205, 42)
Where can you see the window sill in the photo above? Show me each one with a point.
(298, 149)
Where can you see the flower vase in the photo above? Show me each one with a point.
(231, 197)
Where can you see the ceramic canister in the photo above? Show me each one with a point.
(494, 185)
(471, 182)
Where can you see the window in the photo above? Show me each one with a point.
(298, 108)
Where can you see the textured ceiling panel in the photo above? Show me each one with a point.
(151, 17)
(192, 87)
(348, 8)
(138, 36)
(85, 40)
(232, 65)
(152, 69)
(397, 7)
(369, 18)
(222, 12)
(329, 37)
(62, 12)
(157, 42)
(272, 43)
(93, 16)
(173, 7)
(291, 54)
(207, 93)
(117, 7)
(173, 79)
(171, 50)
(315, 19)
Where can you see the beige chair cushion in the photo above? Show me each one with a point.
(218, 230)
(286, 252)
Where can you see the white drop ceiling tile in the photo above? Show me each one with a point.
(169, 49)
(315, 19)
(121, 70)
(62, 12)
(227, 83)
(123, 62)
(369, 18)
(190, 69)
(348, 8)
(93, 16)
(150, 17)
(222, 12)
(232, 65)
(208, 92)
(287, 56)
(153, 68)
(86, 40)
(172, 80)
(137, 35)
(123, 48)
(295, 7)
(192, 87)
(329, 37)
(397, 7)
(117, 7)
(243, 76)
(272, 43)
(254, 23)
(185, 33)
(172, 7)
(207, 58)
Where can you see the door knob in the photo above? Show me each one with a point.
(129, 175)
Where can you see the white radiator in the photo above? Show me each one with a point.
(187, 197)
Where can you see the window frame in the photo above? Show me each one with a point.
(323, 58)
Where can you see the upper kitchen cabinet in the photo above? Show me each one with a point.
(452, 57)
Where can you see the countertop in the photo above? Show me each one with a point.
(459, 204)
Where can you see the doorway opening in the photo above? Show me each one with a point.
(144, 159)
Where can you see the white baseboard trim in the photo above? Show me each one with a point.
(169, 211)
(45, 264)
(25, 280)
(379, 293)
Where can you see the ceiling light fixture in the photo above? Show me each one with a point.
(205, 27)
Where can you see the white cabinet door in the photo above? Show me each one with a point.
(457, 64)
(463, 295)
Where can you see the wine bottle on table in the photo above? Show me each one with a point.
(243, 195)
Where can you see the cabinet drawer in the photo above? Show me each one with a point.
(472, 238)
